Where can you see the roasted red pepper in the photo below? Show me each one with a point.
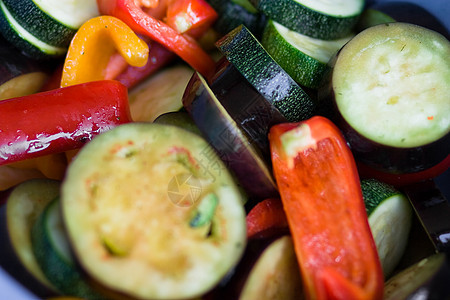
(321, 194)
(401, 180)
(142, 23)
(61, 119)
(267, 218)
(193, 17)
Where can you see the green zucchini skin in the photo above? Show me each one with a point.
(253, 113)
(59, 268)
(16, 254)
(390, 219)
(307, 21)
(375, 192)
(232, 15)
(246, 53)
(40, 24)
(9, 32)
(383, 157)
(307, 70)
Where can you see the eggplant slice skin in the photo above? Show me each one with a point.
(241, 156)
(388, 92)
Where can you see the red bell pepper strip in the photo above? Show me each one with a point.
(61, 119)
(321, 194)
(401, 180)
(192, 17)
(182, 45)
(266, 218)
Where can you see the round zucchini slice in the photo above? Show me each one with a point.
(24, 205)
(304, 58)
(54, 22)
(390, 218)
(326, 20)
(52, 252)
(152, 212)
(28, 43)
(245, 52)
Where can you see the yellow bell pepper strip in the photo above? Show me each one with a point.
(93, 45)
(321, 195)
(183, 45)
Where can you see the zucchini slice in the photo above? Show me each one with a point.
(159, 94)
(389, 86)
(390, 218)
(304, 58)
(24, 205)
(249, 57)
(232, 13)
(178, 118)
(426, 279)
(52, 251)
(269, 270)
(53, 22)
(29, 44)
(321, 19)
(129, 201)
(275, 274)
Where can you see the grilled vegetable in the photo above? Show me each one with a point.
(93, 45)
(52, 251)
(389, 90)
(227, 138)
(249, 57)
(390, 218)
(304, 58)
(25, 203)
(185, 47)
(70, 117)
(325, 20)
(43, 29)
(174, 223)
(268, 270)
(160, 93)
(427, 277)
(320, 190)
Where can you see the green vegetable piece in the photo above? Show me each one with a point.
(205, 211)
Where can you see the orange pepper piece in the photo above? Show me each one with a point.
(94, 44)
(321, 195)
